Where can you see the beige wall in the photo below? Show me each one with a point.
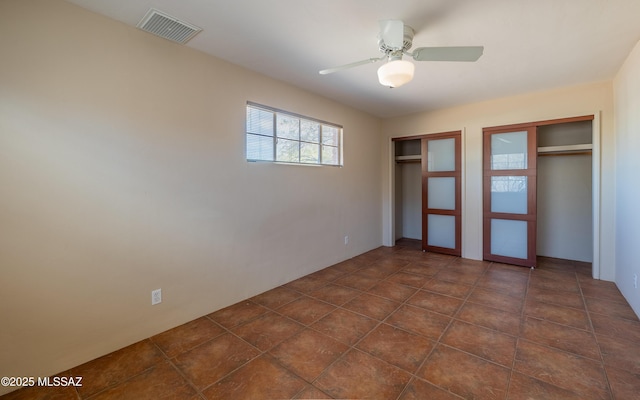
(122, 170)
(588, 99)
(627, 121)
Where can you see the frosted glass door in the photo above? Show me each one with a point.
(441, 231)
(509, 195)
(441, 174)
(441, 193)
(509, 238)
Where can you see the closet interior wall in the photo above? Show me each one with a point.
(565, 209)
(408, 190)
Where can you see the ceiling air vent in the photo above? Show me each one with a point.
(168, 27)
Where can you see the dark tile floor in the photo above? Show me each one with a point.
(394, 323)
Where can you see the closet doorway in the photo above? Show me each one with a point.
(428, 177)
(408, 190)
(565, 191)
(539, 187)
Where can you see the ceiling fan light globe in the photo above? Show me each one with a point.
(396, 73)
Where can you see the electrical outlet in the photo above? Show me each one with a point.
(635, 281)
(346, 240)
(156, 297)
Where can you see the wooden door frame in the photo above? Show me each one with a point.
(457, 174)
(530, 217)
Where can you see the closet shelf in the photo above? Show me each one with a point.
(565, 149)
(409, 158)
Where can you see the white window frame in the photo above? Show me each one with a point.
(272, 134)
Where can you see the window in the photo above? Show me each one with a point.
(279, 136)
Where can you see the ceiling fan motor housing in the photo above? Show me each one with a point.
(407, 42)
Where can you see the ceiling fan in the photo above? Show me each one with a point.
(394, 41)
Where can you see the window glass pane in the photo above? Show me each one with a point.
(259, 148)
(509, 150)
(259, 121)
(288, 150)
(309, 131)
(273, 135)
(309, 153)
(330, 135)
(288, 127)
(442, 155)
(509, 238)
(441, 193)
(509, 194)
(330, 155)
(441, 231)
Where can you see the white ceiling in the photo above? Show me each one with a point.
(530, 45)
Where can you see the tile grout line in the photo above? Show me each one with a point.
(380, 322)
(308, 326)
(200, 392)
(437, 341)
(512, 370)
(595, 338)
(114, 385)
(453, 318)
(564, 351)
(413, 375)
(350, 347)
(353, 347)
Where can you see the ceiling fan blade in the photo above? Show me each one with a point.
(392, 33)
(351, 65)
(463, 53)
